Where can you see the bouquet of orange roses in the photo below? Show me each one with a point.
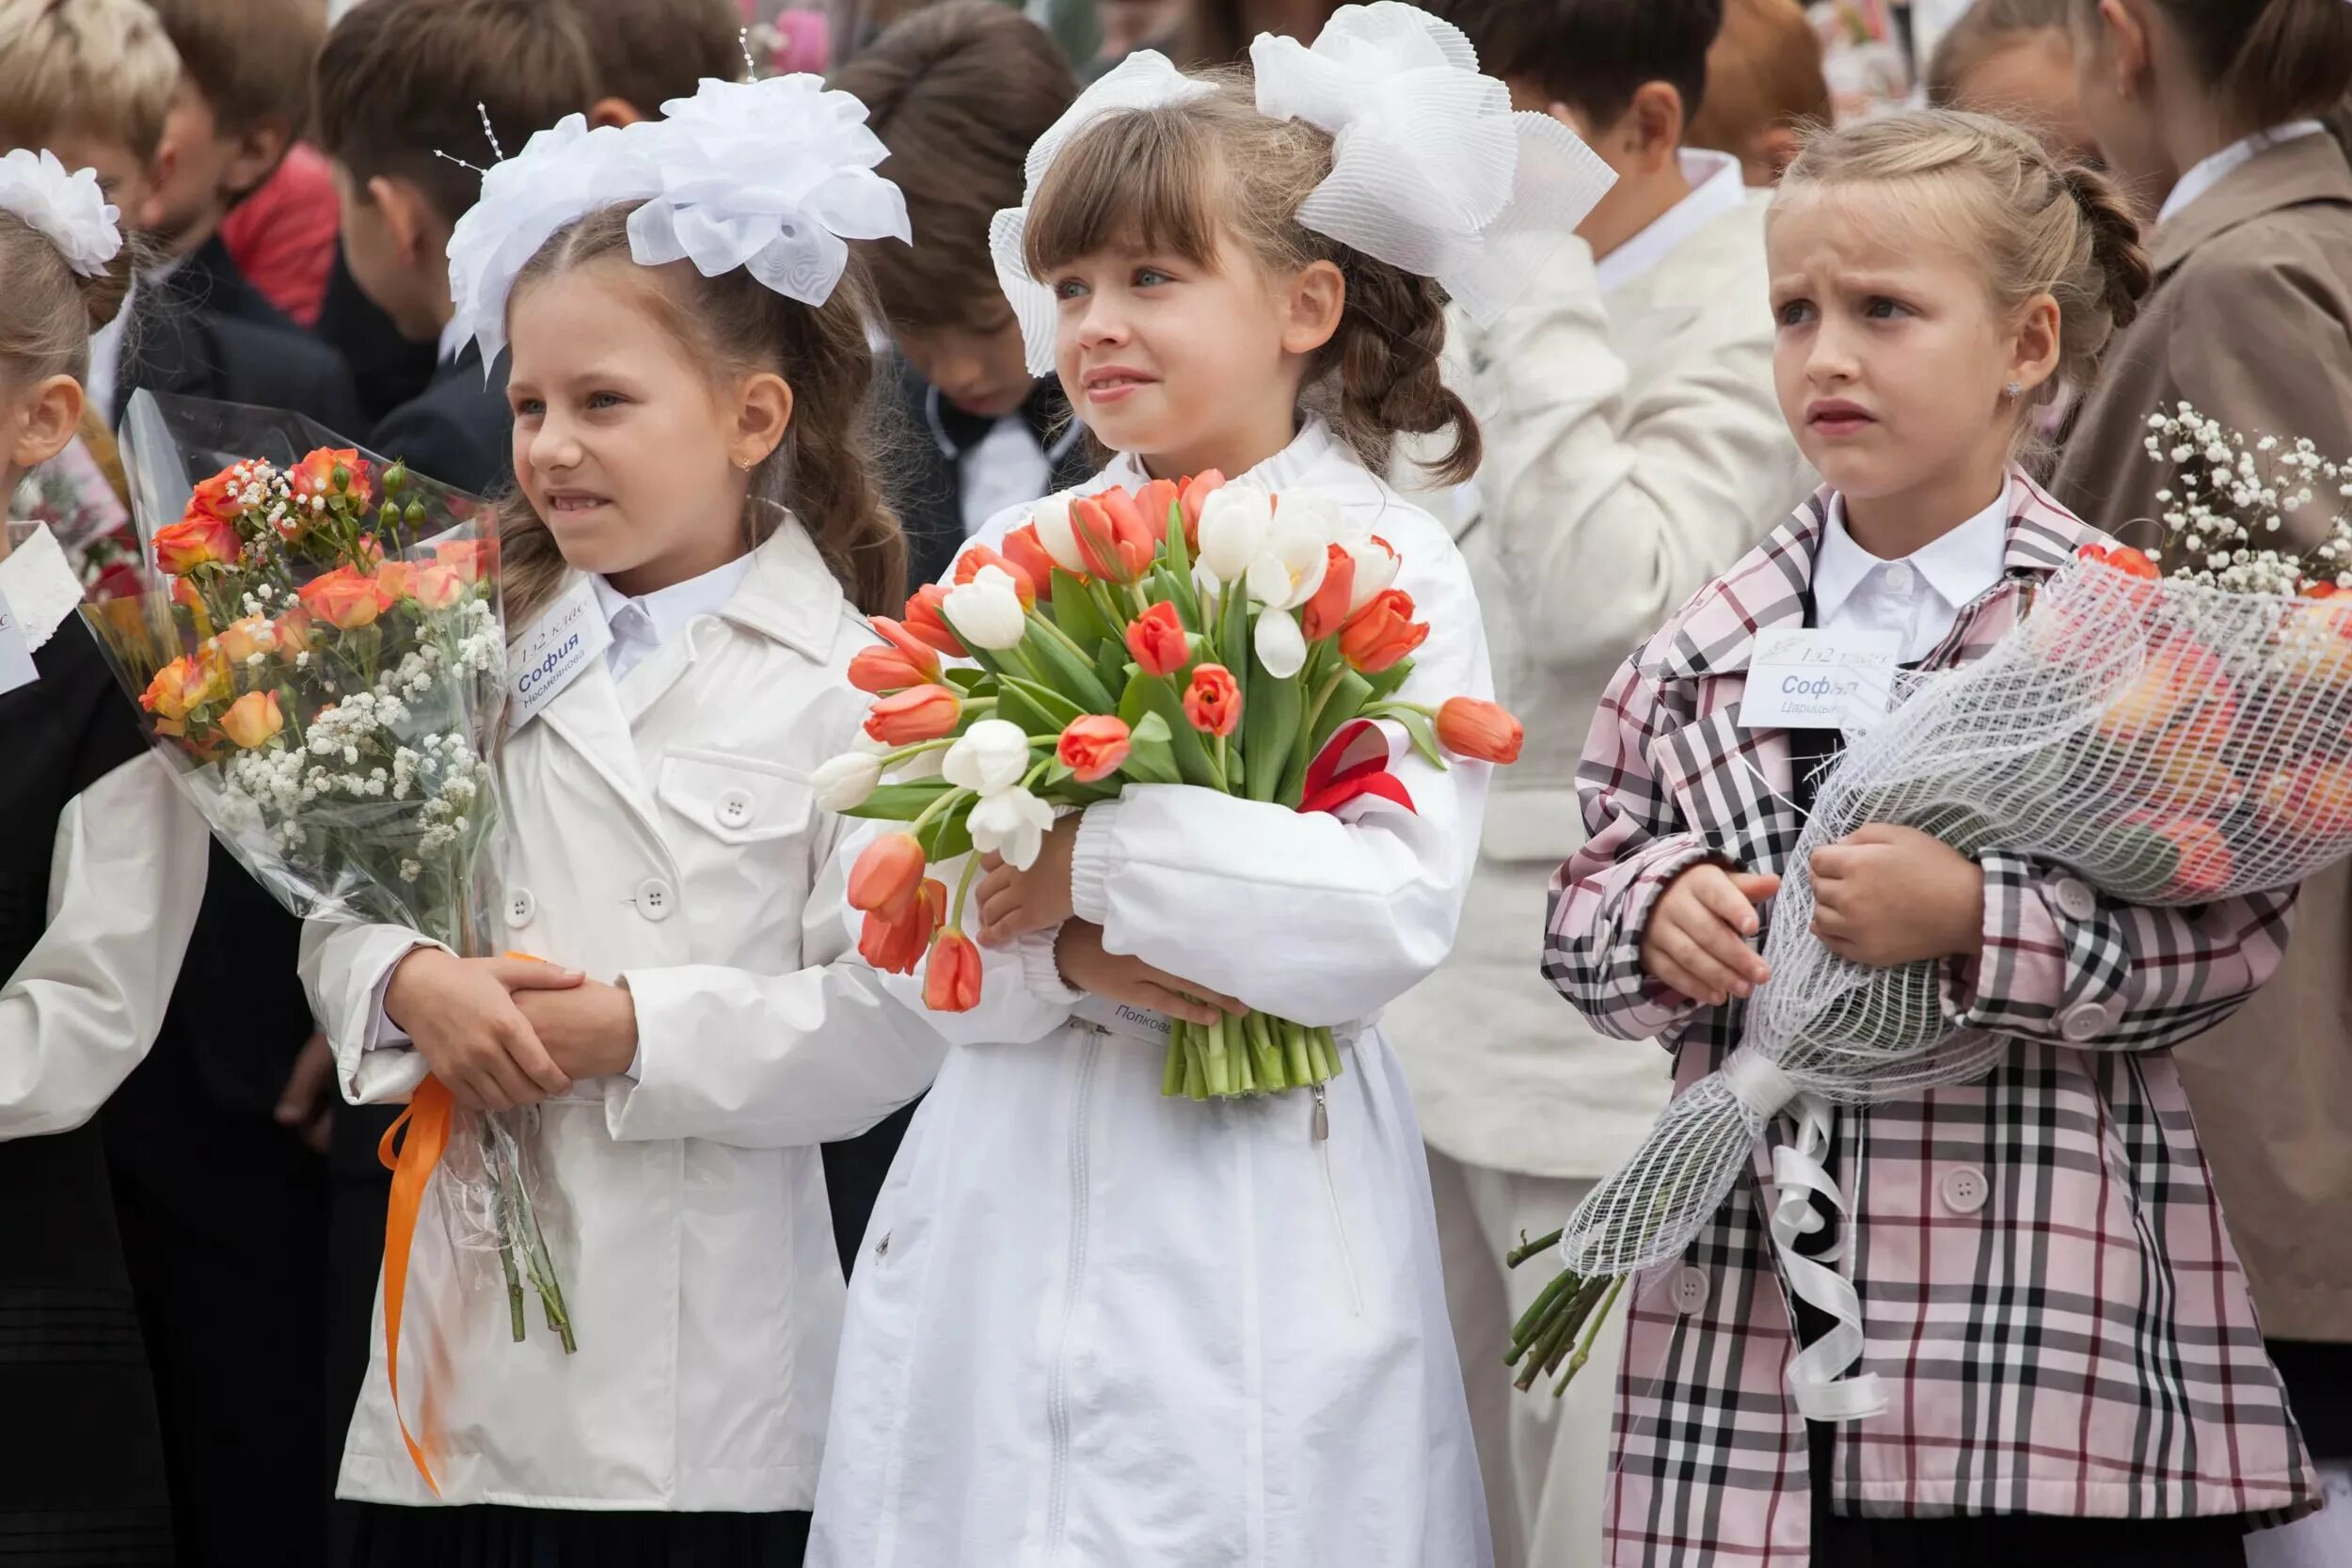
(319, 655)
(1201, 633)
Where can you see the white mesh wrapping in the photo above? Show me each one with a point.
(2168, 742)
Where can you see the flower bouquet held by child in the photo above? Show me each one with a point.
(1187, 633)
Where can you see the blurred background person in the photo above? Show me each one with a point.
(1764, 86)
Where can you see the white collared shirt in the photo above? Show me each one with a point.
(1717, 186)
(1003, 468)
(2206, 175)
(1917, 597)
(642, 625)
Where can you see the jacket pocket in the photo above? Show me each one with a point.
(736, 800)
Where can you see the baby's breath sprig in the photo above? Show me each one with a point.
(2227, 515)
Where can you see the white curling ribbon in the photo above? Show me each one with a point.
(1817, 1380)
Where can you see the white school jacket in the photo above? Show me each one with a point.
(1095, 1326)
(660, 828)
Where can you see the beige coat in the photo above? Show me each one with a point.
(2251, 322)
(1634, 449)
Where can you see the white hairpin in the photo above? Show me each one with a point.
(68, 209)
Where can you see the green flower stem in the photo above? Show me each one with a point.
(952, 797)
(1592, 1333)
(963, 886)
(905, 755)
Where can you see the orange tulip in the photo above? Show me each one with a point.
(1195, 494)
(918, 713)
(1112, 538)
(344, 598)
(438, 586)
(1025, 549)
(196, 540)
(1213, 702)
(1382, 632)
(1094, 748)
(887, 876)
(1157, 640)
(1327, 612)
(240, 641)
(1479, 730)
(927, 621)
(1155, 503)
(969, 563)
(952, 983)
(252, 719)
(896, 947)
(905, 662)
(314, 476)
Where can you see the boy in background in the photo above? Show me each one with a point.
(647, 52)
(1634, 449)
(1764, 87)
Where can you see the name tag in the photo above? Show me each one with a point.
(16, 654)
(1801, 679)
(1121, 1018)
(568, 640)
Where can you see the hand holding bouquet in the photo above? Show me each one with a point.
(1201, 634)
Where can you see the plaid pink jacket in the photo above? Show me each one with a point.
(2047, 1288)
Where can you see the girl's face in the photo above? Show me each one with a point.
(1890, 361)
(621, 444)
(1193, 367)
(2031, 79)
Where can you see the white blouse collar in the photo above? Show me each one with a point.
(1287, 468)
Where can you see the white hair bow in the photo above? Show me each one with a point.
(773, 177)
(68, 210)
(1432, 171)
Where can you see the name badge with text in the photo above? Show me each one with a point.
(1802, 679)
(568, 638)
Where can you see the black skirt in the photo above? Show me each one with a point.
(380, 1535)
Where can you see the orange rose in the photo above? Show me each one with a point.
(1327, 612)
(1382, 632)
(896, 947)
(437, 587)
(252, 719)
(888, 876)
(1113, 540)
(1480, 730)
(927, 621)
(344, 598)
(295, 632)
(243, 640)
(471, 559)
(196, 540)
(1156, 640)
(918, 713)
(219, 497)
(1213, 702)
(952, 984)
(969, 563)
(183, 686)
(1094, 748)
(398, 581)
(1025, 549)
(316, 475)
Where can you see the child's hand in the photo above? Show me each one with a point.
(1698, 941)
(1013, 902)
(461, 1013)
(590, 1030)
(1886, 897)
(1078, 953)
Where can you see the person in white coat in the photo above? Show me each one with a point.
(707, 1029)
(1097, 1326)
(1634, 449)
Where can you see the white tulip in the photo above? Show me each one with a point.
(1010, 823)
(1055, 532)
(844, 783)
(1233, 525)
(986, 611)
(1282, 646)
(1310, 509)
(990, 755)
(1376, 571)
(1290, 568)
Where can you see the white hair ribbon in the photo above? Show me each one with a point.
(68, 210)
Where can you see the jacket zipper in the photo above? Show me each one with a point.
(1321, 1128)
(1056, 1388)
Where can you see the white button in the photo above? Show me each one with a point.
(2083, 1020)
(1691, 1291)
(2076, 900)
(1965, 1190)
(733, 808)
(654, 899)
(521, 906)
(1898, 578)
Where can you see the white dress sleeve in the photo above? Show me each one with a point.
(126, 880)
(346, 968)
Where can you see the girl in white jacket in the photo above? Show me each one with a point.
(1093, 1325)
(704, 1032)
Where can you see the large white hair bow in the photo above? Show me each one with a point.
(68, 210)
(1432, 171)
(774, 177)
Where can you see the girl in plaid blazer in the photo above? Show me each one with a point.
(2046, 1291)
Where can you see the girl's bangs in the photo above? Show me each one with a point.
(1137, 181)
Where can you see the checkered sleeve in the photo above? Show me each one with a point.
(2065, 964)
(1601, 900)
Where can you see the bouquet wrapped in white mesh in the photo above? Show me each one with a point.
(2171, 740)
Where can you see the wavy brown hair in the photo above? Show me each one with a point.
(735, 326)
(1176, 178)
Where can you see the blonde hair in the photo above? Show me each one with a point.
(1172, 178)
(736, 325)
(47, 309)
(2039, 223)
(104, 68)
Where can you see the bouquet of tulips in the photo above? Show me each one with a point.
(1197, 633)
(318, 653)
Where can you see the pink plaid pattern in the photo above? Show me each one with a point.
(2047, 1286)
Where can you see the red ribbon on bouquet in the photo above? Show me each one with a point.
(1352, 765)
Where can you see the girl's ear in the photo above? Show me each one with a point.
(2037, 343)
(763, 412)
(1317, 299)
(2121, 33)
(44, 422)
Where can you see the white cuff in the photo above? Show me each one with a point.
(1090, 863)
(1040, 971)
(383, 1034)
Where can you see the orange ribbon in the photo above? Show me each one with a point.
(426, 1121)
